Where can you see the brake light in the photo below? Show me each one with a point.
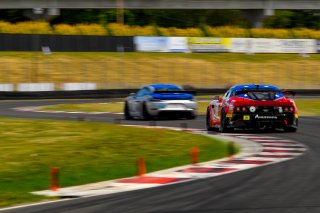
(288, 109)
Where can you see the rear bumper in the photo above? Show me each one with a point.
(182, 107)
(260, 120)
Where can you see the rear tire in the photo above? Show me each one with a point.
(191, 116)
(209, 128)
(145, 113)
(292, 129)
(127, 115)
(224, 123)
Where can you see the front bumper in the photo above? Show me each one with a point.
(258, 120)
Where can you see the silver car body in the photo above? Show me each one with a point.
(172, 101)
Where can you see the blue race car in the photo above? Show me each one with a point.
(157, 100)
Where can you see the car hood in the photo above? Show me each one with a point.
(172, 96)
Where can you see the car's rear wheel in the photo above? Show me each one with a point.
(292, 129)
(191, 116)
(209, 128)
(127, 115)
(145, 113)
(224, 123)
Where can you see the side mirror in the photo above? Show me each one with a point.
(217, 98)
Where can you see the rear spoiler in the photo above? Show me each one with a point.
(288, 93)
(192, 92)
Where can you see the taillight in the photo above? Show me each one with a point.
(288, 109)
(240, 109)
(291, 109)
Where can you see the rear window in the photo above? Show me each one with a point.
(169, 89)
(259, 95)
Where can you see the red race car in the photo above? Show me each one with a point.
(251, 106)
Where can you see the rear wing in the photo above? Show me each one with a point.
(288, 93)
(192, 92)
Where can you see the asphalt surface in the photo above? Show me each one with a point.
(289, 187)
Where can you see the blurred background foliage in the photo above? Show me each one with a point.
(175, 18)
(215, 23)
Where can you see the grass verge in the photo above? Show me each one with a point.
(305, 106)
(86, 152)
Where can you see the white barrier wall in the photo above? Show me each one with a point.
(266, 45)
(35, 87)
(160, 44)
(79, 86)
(6, 87)
(236, 45)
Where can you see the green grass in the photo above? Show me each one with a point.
(308, 106)
(305, 106)
(86, 152)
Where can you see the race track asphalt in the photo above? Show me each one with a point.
(288, 187)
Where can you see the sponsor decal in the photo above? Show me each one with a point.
(151, 43)
(265, 117)
(246, 117)
(209, 44)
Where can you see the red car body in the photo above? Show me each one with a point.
(251, 106)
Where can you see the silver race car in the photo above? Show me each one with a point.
(158, 100)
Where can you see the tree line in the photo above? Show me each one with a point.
(284, 19)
